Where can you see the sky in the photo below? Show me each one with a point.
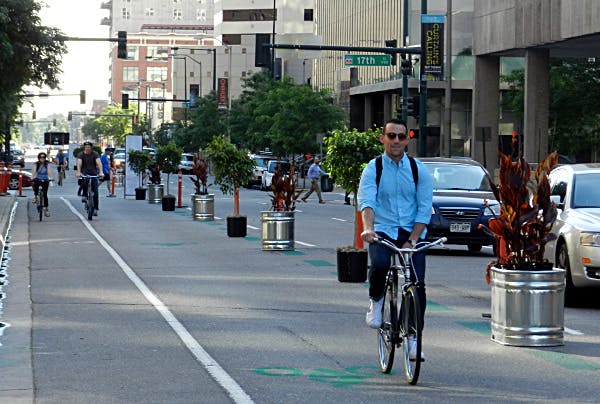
(85, 66)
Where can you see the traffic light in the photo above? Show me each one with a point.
(392, 43)
(33, 115)
(262, 56)
(413, 133)
(413, 106)
(406, 67)
(122, 45)
(124, 101)
(54, 122)
(82, 97)
(70, 116)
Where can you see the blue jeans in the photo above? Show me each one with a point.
(381, 256)
(94, 189)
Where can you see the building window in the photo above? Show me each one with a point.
(132, 53)
(201, 14)
(265, 14)
(126, 14)
(232, 39)
(308, 14)
(157, 53)
(149, 12)
(176, 1)
(177, 14)
(155, 73)
(130, 73)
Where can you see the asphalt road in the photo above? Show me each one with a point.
(146, 306)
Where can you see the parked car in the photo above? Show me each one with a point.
(187, 163)
(260, 162)
(460, 189)
(16, 157)
(268, 175)
(13, 183)
(574, 189)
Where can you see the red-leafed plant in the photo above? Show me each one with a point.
(284, 191)
(526, 214)
(200, 171)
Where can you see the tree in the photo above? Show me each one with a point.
(116, 127)
(281, 115)
(168, 158)
(30, 54)
(207, 120)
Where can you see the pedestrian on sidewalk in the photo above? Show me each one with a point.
(106, 160)
(314, 174)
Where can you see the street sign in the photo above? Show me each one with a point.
(367, 60)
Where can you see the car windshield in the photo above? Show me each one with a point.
(586, 193)
(187, 157)
(261, 161)
(285, 167)
(458, 176)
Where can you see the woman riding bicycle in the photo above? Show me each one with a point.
(41, 175)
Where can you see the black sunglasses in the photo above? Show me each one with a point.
(42, 157)
(392, 136)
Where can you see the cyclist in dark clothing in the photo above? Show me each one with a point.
(88, 163)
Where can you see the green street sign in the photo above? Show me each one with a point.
(367, 60)
(186, 105)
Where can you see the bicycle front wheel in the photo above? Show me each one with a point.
(40, 209)
(411, 328)
(90, 205)
(387, 334)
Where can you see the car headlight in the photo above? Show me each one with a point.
(492, 210)
(590, 239)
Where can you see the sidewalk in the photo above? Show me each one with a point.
(16, 377)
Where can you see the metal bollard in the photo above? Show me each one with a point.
(179, 188)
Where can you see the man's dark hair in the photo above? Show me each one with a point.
(395, 121)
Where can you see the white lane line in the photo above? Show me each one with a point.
(212, 367)
(251, 227)
(218, 218)
(572, 332)
(304, 244)
(338, 219)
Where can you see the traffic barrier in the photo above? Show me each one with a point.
(112, 183)
(4, 179)
(179, 187)
(20, 181)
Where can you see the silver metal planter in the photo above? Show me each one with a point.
(203, 207)
(155, 193)
(528, 307)
(277, 231)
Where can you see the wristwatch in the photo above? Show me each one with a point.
(413, 243)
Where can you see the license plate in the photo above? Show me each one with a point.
(460, 227)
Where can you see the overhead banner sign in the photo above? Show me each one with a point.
(432, 44)
(222, 91)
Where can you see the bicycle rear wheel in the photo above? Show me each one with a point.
(411, 327)
(387, 333)
(40, 209)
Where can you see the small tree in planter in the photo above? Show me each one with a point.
(347, 154)
(232, 168)
(520, 275)
(168, 158)
(139, 161)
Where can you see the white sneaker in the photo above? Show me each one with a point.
(373, 317)
(412, 349)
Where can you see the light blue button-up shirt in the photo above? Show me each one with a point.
(398, 203)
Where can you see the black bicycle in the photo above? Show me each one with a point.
(42, 196)
(89, 201)
(399, 324)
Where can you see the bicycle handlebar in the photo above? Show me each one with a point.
(424, 245)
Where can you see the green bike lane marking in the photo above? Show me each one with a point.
(565, 360)
(345, 378)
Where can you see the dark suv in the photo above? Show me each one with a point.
(460, 187)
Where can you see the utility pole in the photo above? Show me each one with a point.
(422, 141)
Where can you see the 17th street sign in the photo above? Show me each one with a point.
(367, 60)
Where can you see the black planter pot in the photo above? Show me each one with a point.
(140, 194)
(236, 226)
(168, 203)
(352, 265)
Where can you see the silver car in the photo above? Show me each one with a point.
(576, 191)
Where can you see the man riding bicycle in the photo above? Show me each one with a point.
(88, 163)
(394, 196)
